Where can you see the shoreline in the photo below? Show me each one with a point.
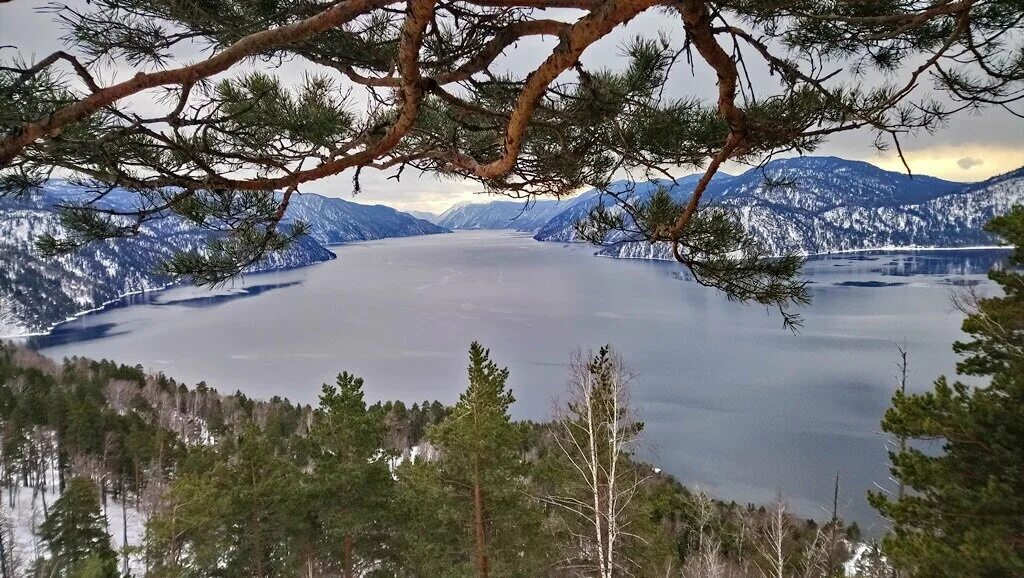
(156, 289)
(909, 249)
(101, 307)
(885, 249)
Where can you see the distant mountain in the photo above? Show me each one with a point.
(425, 215)
(828, 204)
(36, 293)
(515, 215)
(333, 221)
(561, 226)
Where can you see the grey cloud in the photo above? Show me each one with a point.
(968, 162)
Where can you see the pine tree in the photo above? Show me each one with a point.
(964, 512)
(186, 537)
(76, 534)
(482, 467)
(266, 507)
(351, 481)
(432, 537)
(997, 324)
(237, 511)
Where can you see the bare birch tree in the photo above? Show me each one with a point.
(710, 561)
(119, 394)
(772, 535)
(820, 556)
(597, 432)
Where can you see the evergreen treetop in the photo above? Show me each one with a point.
(964, 468)
(76, 533)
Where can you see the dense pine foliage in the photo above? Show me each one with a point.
(76, 534)
(964, 513)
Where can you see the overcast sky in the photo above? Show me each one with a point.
(971, 147)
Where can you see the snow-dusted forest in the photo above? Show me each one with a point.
(185, 481)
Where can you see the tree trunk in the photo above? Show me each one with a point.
(43, 481)
(478, 523)
(62, 460)
(46, 509)
(3, 550)
(347, 555)
(309, 561)
(257, 547)
(124, 523)
(138, 487)
(174, 535)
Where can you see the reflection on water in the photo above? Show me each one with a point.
(83, 329)
(75, 333)
(867, 284)
(211, 299)
(942, 263)
(924, 262)
(731, 401)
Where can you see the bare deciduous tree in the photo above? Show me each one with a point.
(597, 433)
(709, 561)
(821, 555)
(119, 394)
(773, 532)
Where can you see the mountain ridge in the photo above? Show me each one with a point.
(836, 205)
(518, 215)
(828, 205)
(36, 293)
(334, 221)
(817, 205)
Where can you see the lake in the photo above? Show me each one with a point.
(732, 402)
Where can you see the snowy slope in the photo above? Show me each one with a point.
(334, 220)
(516, 215)
(36, 293)
(830, 204)
(561, 226)
(424, 215)
(27, 514)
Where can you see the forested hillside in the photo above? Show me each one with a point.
(810, 205)
(37, 292)
(803, 205)
(332, 220)
(197, 484)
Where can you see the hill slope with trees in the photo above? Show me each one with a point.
(232, 486)
(37, 291)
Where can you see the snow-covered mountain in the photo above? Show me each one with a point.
(829, 204)
(561, 226)
(36, 293)
(425, 215)
(334, 220)
(516, 215)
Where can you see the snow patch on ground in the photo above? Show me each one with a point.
(861, 562)
(28, 514)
